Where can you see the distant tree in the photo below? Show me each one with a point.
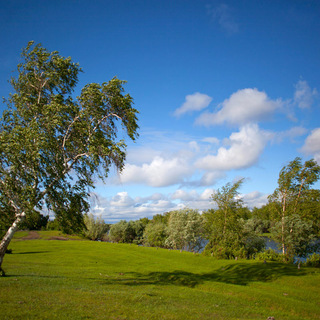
(294, 183)
(309, 209)
(35, 221)
(225, 228)
(228, 202)
(155, 235)
(127, 232)
(137, 227)
(257, 225)
(185, 230)
(120, 232)
(52, 145)
(299, 240)
(161, 218)
(95, 227)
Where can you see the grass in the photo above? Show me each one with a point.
(95, 280)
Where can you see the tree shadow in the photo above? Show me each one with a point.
(238, 274)
(31, 252)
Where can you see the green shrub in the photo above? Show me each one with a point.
(268, 255)
(96, 228)
(313, 260)
(155, 234)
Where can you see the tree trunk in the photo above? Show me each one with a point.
(8, 237)
(282, 224)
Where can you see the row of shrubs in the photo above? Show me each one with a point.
(271, 255)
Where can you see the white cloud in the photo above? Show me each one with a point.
(212, 140)
(159, 173)
(255, 199)
(243, 107)
(245, 148)
(211, 177)
(291, 134)
(312, 144)
(304, 95)
(121, 199)
(124, 207)
(194, 102)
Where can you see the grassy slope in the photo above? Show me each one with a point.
(93, 280)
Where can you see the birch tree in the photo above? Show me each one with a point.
(52, 145)
(294, 183)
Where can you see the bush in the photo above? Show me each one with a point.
(269, 255)
(95, 227)
(123, 232)
(313, 260)
(155, 234)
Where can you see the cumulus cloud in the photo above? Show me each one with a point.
(211, 177)
(243, 107)
(124, 207)
(194, 102)
(255, 199)
(121, 199)
(304, 95)
(244, 150)
(222, 14)
(312, 144)
(159, 173)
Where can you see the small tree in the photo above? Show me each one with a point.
(185, 230)
(155, 235)
(226, 230)
(228, 201)
(35, 221)
(297, 238)
(95, 228)
(294, 184)
(122, 232)
(52, 145)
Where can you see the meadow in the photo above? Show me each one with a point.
(50, 276)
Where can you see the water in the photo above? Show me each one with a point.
(271, 244)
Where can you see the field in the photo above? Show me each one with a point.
(56, 279)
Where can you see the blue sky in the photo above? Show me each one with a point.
(225, 90)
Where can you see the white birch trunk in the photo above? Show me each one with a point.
(8, 237)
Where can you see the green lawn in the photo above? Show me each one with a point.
(54, 279)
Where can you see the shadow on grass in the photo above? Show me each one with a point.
(238, 274)
(31, 252)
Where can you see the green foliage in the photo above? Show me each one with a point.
(53, 225)
(297, 236)
(155, 235)
(185, 230)
(161, 218)
(257, 225)
(51, 145)
(309, 208)
(230, 235)
(34, 221)
(293, 193)
(127, 232)
(95, 228)
(313, 260)
(268, 255)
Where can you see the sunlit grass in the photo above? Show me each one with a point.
(96, 280)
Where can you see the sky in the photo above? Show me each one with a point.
(224, 89)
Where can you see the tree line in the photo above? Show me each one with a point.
(291, 218)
